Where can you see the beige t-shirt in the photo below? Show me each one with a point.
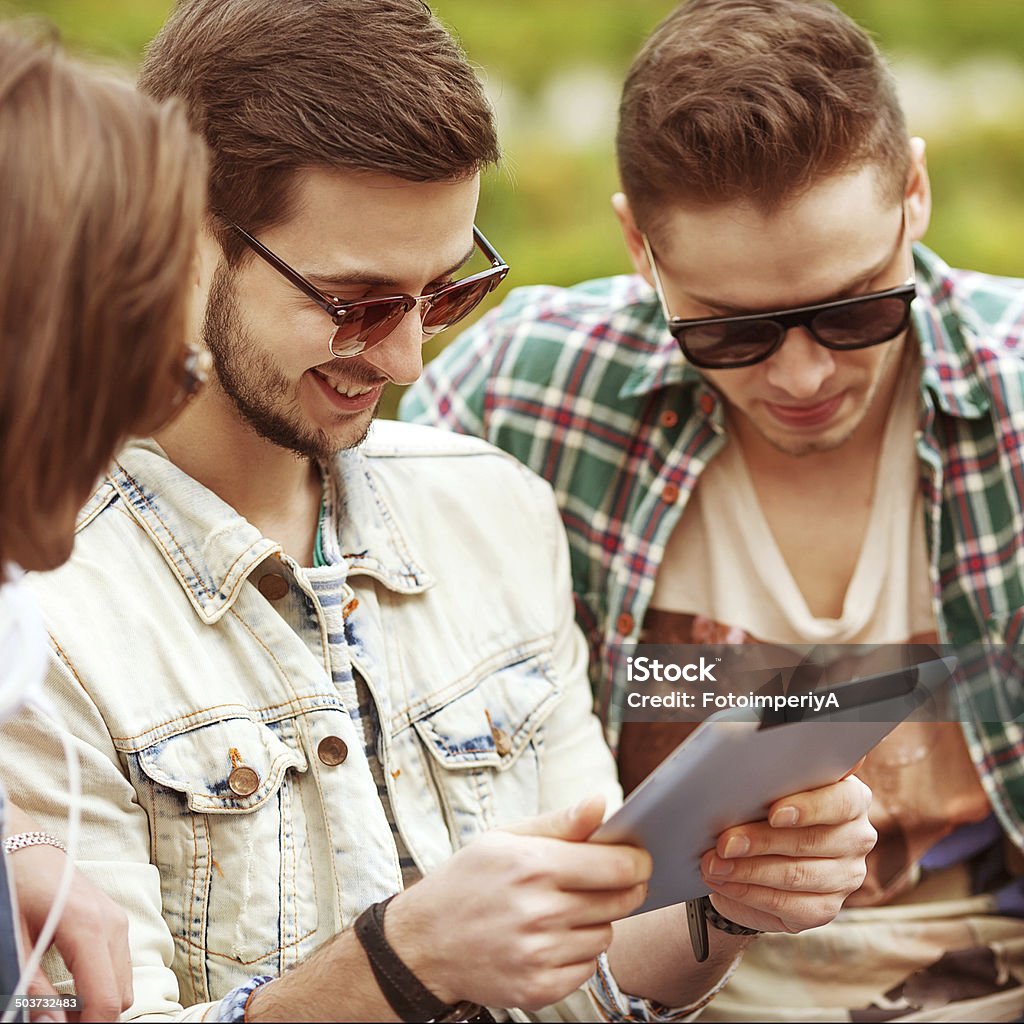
(722, 561)
(724, 579)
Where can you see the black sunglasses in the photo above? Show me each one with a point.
(730, 342)
(363, 323)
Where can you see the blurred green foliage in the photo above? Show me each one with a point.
(547, 207)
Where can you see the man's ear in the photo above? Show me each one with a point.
(918, 193)
(633, 237)
(207, 258)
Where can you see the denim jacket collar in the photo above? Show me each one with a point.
(211, 549)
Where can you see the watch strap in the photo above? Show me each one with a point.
(699, 914)
(722, 923)
(698, 925)
(406, 994)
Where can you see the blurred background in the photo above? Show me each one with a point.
(553, 69)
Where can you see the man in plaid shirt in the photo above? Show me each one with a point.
(764, 435)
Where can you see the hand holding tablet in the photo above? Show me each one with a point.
(735, 766)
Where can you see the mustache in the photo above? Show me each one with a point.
(344, 370)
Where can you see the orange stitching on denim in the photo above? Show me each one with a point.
(192, 898)
(312, 871)
(295, 702)
(270, 654)
(159, 519)
(248, 551)
(294, 856)
(177, 544)
(67, 661)
(206, 951)
(236, 757)
(535, 648)
(101, 506)
(349, 608)
(286, 808)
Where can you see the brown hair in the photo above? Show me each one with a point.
(362, 85)
(755, 100)
(103, 199)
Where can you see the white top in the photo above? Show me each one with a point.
(23, 643)
(722, 560)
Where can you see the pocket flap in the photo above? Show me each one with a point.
(230, 766)
(491, 724)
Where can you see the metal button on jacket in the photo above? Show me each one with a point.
(273, 586)
(332, 750)
(243, 780)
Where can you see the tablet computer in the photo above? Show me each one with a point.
(738, 762)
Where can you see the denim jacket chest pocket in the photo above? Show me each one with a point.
(228, 833)
(481, 750)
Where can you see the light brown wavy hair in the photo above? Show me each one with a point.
(755, 101)
(103, 196)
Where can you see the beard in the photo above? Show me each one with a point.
(261, 393)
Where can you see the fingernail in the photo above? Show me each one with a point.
(581, 806)
(784, 817)
(720, 868)
(737, 846)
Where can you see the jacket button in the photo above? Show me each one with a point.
(243, 781)
(707, 404)
(273, 586)
(332, 750)
(670, 494)
(668, 418)
(624, 624)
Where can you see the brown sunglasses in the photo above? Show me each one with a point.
(363, 323)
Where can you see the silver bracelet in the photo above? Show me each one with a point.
(23, 839)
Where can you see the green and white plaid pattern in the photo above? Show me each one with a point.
(586, 386)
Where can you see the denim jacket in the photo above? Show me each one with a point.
(205, 679)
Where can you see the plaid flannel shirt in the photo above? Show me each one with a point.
(586, 386)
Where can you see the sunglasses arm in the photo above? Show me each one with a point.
(657, 280)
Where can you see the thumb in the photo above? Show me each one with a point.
(574, 824)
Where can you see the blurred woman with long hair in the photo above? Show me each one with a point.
(102, 192)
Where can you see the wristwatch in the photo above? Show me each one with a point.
(405, 993)
(699, 913)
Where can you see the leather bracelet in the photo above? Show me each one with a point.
(405, 993)
(25, 839)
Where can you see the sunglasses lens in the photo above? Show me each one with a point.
(451, 304)
(720, 346)
(861, 324)
(364, 326)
